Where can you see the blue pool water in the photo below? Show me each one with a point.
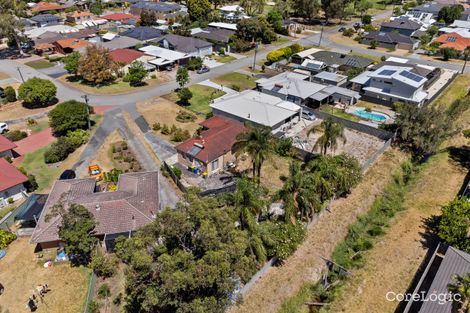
(370, 115)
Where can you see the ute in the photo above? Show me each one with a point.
(95, 171)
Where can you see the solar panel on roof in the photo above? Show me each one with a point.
(352, 62)
(387, 72)
(411, 76)
(451, 39)
(194, 150)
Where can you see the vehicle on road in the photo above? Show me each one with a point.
(307, 115)
(203, 70)
(342, 29)
(3, 128)
(67, 174)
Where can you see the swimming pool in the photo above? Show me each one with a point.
(375, 116)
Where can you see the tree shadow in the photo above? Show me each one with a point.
(28, 105)
(460, 156)
(430, 238)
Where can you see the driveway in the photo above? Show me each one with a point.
(35, 141)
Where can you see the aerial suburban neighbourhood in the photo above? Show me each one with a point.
(234, 156)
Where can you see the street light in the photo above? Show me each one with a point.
(254, 58)
(321, 34)
(21, 75)
(85, 97)
(466, 52)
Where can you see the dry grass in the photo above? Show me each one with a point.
(271, 171)
(116, 286)
(160, 110)
(349, 41)
(103, 157)
(458, 89)
(16, 110)
(20, 273)
(280, 283)
(4, 76)
(42, 123)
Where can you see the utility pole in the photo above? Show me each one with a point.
(21, 75)
(254, 58)
(466, 52)
(85, 97)
(321, 34)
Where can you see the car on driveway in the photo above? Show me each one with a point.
(307, 115)
(203, 70)
(3, 128)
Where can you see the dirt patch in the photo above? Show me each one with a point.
(124, 158)
(20, 273)
(116, 286)
(104, 156)
(4, 76)
(16, 110)
(271, 171)
(349, 41)
(282, 282)
(160, 110)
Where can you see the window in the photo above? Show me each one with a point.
(215, 165)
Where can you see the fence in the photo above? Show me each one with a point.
(376, 155)
(174, 177)
(437, 94)
(90, 292)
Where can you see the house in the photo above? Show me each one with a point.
(444, 263)
(162, 10)
(300, 57)
(296, 88)
(427, 7)
(339, 61)
(229, 26)
(123, 18)
(192, 46)
(126, 57)
(11, 183)
(58, 29)
(404, 27)
(6, 147)
(212, 149)
(258, 108)
(119, 42)
(232, 13)
(165, 58)
(454, 41)
(329, 78)
(424, 18)
(134, 204)
(431, 73)
(460, 24)
(390, 40)
(47, 6)
(143, 33)
(78, 17)
(461, 31)
(42, 20)
(219, 37)
(391, 83)
(70, 45)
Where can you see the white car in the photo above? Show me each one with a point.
(307, 115)
(3, 128)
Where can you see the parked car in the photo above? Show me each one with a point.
(2, 92)
(67, 174)
(3, 128)
(307, 115)
(203, 70)
(342, 29)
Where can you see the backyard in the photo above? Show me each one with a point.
(21, 272)
(242, 81)
(202, 95)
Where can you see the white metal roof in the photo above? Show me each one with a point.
(63, 29)
(163, 53)
(397, 60)
(109, 36)
(223, 25)
(307, 52)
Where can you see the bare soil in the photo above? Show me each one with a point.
(104, 156)
(16, 110)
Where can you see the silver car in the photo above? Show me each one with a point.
(3, 128)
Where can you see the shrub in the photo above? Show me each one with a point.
(10, 94)
(6, 238)
(284, 146)
(16, 135)
(275, 56)
(103, 265)
(93, 307)
(32, 122)
(58, 151)
(296, 48)
(156, 126)
(221, 51)
(236, 87)
(366, 19)
(173, 129)
(180, 135)
(185, 117)
(118, 300)
(37, 92)
(284, 238)
(77, 137)
(177, 171)
(9, 159)
(348, 32)
(466, 133)
(10, 200)
(165, 130)
(68, 116)
(241, 45)
(184, 95)
(195, 64)
(104, 291)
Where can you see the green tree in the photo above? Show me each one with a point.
(275, 19)
(307, 9)
(254, 30)
(103, 265)
(136, 73)
(432, 30)
(362, 6)
(76, 230)
(373, 44)
(450, 13)
(198, 9)
(421, 129)
(284, 7)
(449, 53)
(148, 18)
(461, 286)
(258, 143)
(71, 62)
(184, 95)
(37, 92)
(10, 94)
(10, 25)
(182, 76)
(454, 225)
(96, 7)
(68, 116)
(252, 7)
(331, 133)
(97, 66)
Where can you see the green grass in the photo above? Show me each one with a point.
(340, 113)
(39, 126)
(296, 304)
(376, 59)
(4, 211)
(457, 90)
(34, 164)
(280, 40)
(202, 95)
(40, 64)
(223, 58)
(241, 80)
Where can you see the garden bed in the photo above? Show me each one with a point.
(124, 158)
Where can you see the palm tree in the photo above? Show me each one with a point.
(258, 143)
(10, 24)
(331, 133)
(248, 198)
(461, 287)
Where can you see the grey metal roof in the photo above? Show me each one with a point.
(330, 58)
(120, 43)
(45, 18)
(330, 76)
(388, 37)
(184, 44)
(143, 33)
(427, 7)
(402, 24)
(156, 6)
(215, 34)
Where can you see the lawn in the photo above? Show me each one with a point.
(376, 59)
(45, 174)
(339, 113)
(202, 95)
(280, 41)
(20, 273)
(458, 89)
(40, 64)
(236, 79)
(223, 58)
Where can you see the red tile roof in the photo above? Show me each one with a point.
(454, 41)
(72, 43)
(126, 56)
(217, 139)
(47, 6)
(10, 176)
(121, 17)
(6, 144)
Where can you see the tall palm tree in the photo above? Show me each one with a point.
(331, 133)
(258, 143)
(461, 287)
(10, 24)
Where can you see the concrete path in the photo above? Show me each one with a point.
(8, 81)
(225, 89)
